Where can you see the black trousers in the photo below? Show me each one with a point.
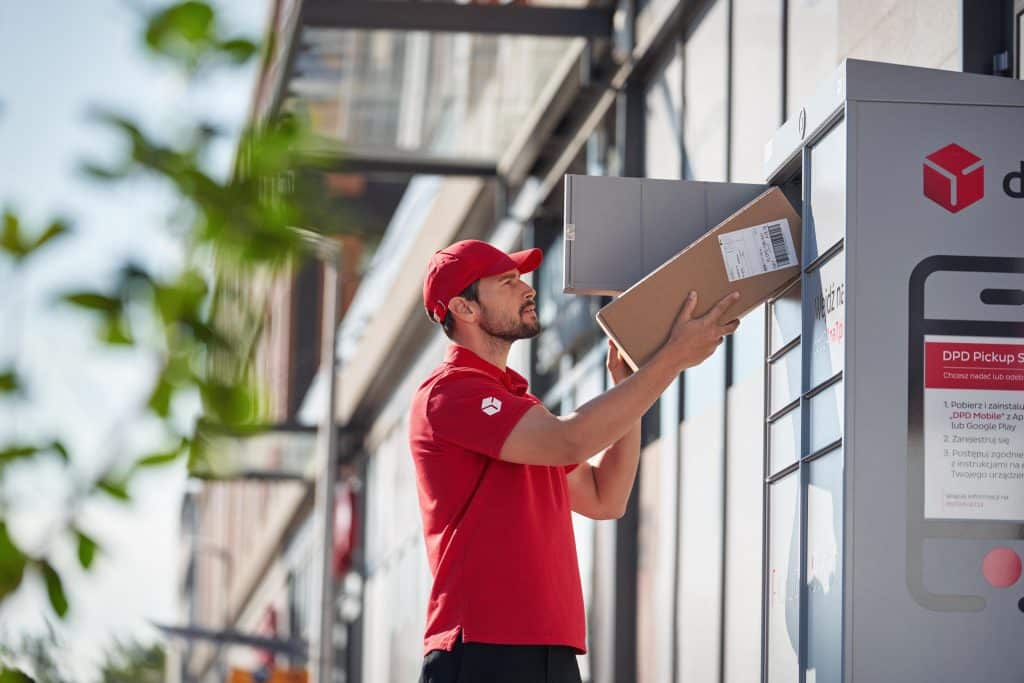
(486, 663)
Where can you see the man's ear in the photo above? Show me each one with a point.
(461, 308)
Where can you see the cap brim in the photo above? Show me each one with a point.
(527, 261)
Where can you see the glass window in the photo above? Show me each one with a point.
(663, 106)
(748, 347)
(783, 587)
(826, 211)
(744, 537)
(601, 148)
(700, 543)
(651, 14)
(704, 385)
(568, 327)
(656, 511)
(826, 417)
(824, 568)
(704, 116)
(784, 440)
(827, 304)
(756, 84)
(784, 377)
(785, 317)
(812, 51)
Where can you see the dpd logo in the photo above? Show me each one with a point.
(954, 178)
(491, 405)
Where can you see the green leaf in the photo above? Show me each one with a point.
(182, 299)
(182, 31)
(239, 50)
(14, 676)
(97, 172)
(18, 245)
(160, 400)
(193, 20)
(165, 457)
(114, 488)
(10, 237)
(115, 332)
(59, 448)
(14, 452)
(17, 451)
(12, 563)
(9, 382)
(86, 549)
(54, 588)
(55, 230)
(93, 301)
(229, 404)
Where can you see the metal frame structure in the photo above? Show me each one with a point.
(295, 648)
(1018, 37)
(589, 22)
(391, 163)
(987, 37)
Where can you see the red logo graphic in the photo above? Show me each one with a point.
(954, 178)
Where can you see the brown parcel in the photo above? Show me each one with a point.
(640, 319)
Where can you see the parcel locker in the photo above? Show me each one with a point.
(894, 366)
(891, 552)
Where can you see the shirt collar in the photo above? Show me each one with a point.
(460, 356)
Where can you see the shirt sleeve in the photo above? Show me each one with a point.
(475, 414)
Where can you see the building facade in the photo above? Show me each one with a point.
(471, 133)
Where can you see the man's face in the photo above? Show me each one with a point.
(508, 307)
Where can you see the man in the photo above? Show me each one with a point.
(498, 474)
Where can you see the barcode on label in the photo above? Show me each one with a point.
(758, 249)
(778, 245)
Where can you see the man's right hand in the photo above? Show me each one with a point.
(694, 339)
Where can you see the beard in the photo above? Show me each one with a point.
(510, 328)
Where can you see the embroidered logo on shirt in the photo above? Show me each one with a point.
(490, 405)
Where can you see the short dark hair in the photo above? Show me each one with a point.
(471, 293)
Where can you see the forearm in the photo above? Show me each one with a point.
(615, 473)
(606, 419)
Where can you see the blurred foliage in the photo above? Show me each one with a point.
(203, 324)
(33, 658)
(133, 663)
(37, 658)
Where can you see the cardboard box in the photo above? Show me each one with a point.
(751, 252)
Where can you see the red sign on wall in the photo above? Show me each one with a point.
(967, 365)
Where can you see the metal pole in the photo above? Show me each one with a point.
(321, 642)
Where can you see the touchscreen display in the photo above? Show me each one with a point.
(974, 428)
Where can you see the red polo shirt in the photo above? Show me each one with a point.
(499, 534)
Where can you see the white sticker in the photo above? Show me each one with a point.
(974, 428)
(570, 232)
(759, 249)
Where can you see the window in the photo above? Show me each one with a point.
(663, 105)
(756, 84)
(783, 580)
(744, 482)
(811, 53)
(705, 71)
(748, 347)
(824, 567)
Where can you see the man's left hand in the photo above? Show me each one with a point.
(617, 364)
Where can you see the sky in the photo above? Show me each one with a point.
(60, 59)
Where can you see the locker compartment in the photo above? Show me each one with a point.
(617, 230)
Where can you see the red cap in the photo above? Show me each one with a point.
(454, 268)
